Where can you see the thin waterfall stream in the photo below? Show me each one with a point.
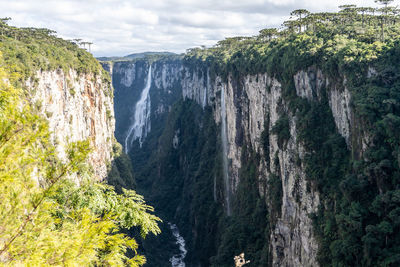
(178, 259)
(224, 137)
(141, 123)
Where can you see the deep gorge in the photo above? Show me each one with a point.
(283, 146)
(293, 139)
(290, 143)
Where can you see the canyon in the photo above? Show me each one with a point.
(245, 109)
(222, 157)
(282, 147)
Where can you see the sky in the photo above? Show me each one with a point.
(122, 27)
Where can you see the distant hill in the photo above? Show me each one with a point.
(137, 56)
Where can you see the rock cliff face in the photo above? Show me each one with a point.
(251, 102)
(310, 84)
(254, 104)
(78, 107)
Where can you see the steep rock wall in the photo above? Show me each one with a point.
(311, 83)
(78, 107)
(254, 102)
(254, 105)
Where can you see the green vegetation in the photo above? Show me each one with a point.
(282, 130)
(45, 218)
(120, 173)
(186, 186)
(182, 178)
(274, 195)
(265, 140)
(157, 249)
(357, 222)
(27, 50)
(149, 56)
(248, 228)
(359, 226)
(344, 39)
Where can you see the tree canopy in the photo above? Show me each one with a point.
(45, 218)
(357, 48)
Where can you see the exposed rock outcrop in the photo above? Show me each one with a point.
(251, 101)
(78, 107)
(254, 104)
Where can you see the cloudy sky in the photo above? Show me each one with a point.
(121, 27)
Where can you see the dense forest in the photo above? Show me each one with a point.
(53, 212)
(358, 220)
(45, 217)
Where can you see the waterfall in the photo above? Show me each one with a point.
(177, 260)
(205, 97)
(224, 138)
(141, 122)
(205, 90)
(215, 188)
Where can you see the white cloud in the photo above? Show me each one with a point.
(120, 27)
